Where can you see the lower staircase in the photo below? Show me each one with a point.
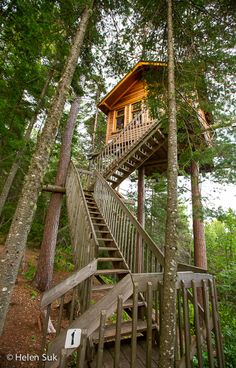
(119, 311)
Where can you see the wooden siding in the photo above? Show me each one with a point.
(135, 93)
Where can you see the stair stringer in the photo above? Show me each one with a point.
(90, 320)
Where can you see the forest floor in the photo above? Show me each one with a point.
(22, 332)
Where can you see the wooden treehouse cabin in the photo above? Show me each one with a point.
(115, 294)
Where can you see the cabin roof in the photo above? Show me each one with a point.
(125, 83)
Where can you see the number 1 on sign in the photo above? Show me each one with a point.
(73, 337)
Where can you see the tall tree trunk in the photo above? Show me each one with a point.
(22, 220)
(167, 338)
(44, 273)
(140, 216)
(200, 257)
(15, 166)
(95, 122)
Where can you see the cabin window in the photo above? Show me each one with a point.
(120, 119)
(136, 108)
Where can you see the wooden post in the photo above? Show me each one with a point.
(140, 217)
(200, 258)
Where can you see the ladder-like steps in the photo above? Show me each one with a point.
(110, 259)
(105, 239)
(109, 249)
(104, 287)
(126, 330)
(112, 271)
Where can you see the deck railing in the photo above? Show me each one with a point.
(138, 249)
(198, 334)
(83, 236)
(123, 142)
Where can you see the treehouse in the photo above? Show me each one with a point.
(116, 290)
(128, 118)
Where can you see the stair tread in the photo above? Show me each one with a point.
(108, 259)
(97, 218)
(105, 239)
(129, 303)
(102, 287)
(103, 231)
(126, 330)
(107, 248)
(112, 271)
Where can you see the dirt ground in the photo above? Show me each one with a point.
(22, 333)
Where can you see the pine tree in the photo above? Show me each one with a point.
(17, 237)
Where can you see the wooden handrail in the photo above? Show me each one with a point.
(64, 286)
(140, 232)
(94, 237)
(82, 230)
(123, 142)
(90, 320)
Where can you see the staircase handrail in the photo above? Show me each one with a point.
(140, 230)
(84, 235)
(57, 291)
(123, 141)
(90, 320)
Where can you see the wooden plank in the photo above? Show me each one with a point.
(186, 326)
(76, 278)
(197, 324)
(149, 326)
(207, 323)
(126, 330)
(91, 318)
(143, 278)
(118, 331)
(134, 327)
(81, 352)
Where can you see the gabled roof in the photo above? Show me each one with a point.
(125, 83)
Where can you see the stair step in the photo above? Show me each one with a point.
(141, 152)
(126, 330)
(149, 146)
(105, 239)
(88, 194)
(97, 218)
(129, 164)
(123, 170)
(103, 231)
(111, 272)
(110, 249)
(129, 303)
(99, 224)
(110, 259)
(111, 181)
(102, 287)
(118, 176)
(94, 212)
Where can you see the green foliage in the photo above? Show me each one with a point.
(64, 259)
(30, 273)
(221, 248)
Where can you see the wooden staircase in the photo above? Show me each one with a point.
(135, 144)
(120, 309)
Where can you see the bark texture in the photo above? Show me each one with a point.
(44, 272)
(200, 257)
(22, 220)
(168, 321)
(16, 164)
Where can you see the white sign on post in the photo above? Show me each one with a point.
(73, 338)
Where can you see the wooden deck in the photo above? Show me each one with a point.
(125, 355)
